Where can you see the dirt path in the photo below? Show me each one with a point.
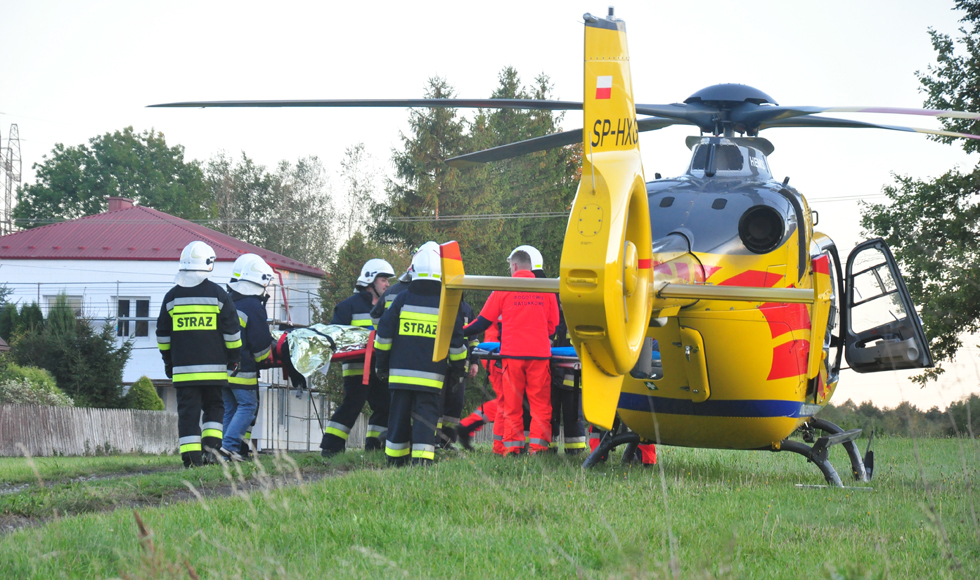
(11, 523)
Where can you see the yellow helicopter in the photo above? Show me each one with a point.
(721, 266)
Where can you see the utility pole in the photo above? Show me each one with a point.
(12, 167)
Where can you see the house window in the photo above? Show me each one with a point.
(74, 302)
(133, 317)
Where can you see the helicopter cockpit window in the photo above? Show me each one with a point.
(876, 298)
(727, 158)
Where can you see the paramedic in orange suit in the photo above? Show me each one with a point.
(528, 321)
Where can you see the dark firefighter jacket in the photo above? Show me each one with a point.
(355, 311)
(406, 336)
(386, 299)
(198, 334)
(256, 340)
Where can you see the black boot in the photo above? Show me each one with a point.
(463, 435)
(192, 459)
(446, 437)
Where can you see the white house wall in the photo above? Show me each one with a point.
(100, 282)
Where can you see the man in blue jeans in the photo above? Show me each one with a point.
(250, 277)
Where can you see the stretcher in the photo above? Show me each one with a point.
(562, 357)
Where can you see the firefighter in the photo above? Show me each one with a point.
(403, 354)
(250, 276)
(198, 336)
(356, 311)
(529, 321)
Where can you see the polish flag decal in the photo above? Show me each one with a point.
(603, 87)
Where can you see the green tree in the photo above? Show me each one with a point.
(85, 362)
(358, 176)
(75, 181)
(426, 190)
(933, 225)
(288, 211)
(425, 186)
(30, 317)
(9, 321)
(338, 284)
(143, 395)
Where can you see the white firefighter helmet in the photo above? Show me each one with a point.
(250, 275)
(427, 262)
(537, 260)
(196, 262)
(372, 269)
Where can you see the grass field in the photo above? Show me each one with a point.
(698, 514)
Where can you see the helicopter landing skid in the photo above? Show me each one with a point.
(608, 443)
(819, 452)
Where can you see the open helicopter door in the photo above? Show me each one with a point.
(882, 331)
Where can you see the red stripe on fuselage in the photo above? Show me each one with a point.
(643, 264)
(789, 359)
(783, 318)
(821, 265)
(753, 278)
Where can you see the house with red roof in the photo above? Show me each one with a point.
(116, 266)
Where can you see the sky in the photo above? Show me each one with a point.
(72, 70)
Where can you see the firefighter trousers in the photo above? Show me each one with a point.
(375, 393)
(451, 403)
(566, 405)
(412, 427)
(194, 443)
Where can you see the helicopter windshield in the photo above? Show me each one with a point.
(727, 158)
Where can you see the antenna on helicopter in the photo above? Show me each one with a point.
(611, 10)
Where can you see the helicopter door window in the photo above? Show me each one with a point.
(876, 299)
(883, 332)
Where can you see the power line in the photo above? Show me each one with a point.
(475, 217)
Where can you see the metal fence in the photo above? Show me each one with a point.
(46, 431)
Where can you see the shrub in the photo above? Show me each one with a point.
(30, 386)
(142, 395)
(85, 361)
(39, 378)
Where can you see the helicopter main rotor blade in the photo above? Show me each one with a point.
(760, 115)
(691, 114)
(562, 139)
(536, 104)
(849, 124)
